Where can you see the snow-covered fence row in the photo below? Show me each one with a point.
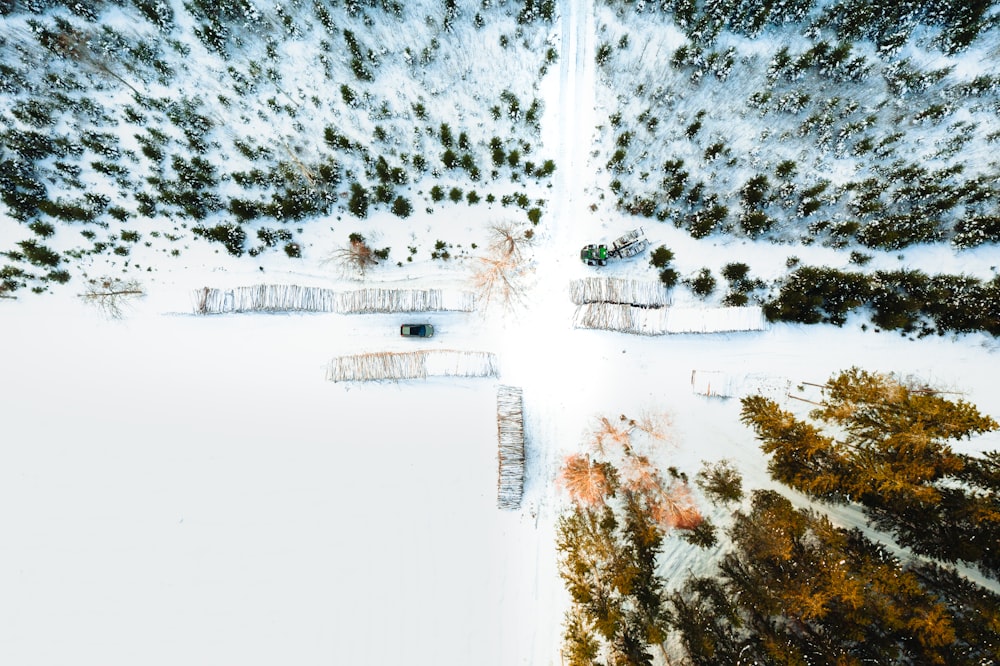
(293, 298)
(375, 366)
(510, 435)
(661, 321)
(716, 383)
(646, 293)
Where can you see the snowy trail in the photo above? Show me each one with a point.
(540, 352)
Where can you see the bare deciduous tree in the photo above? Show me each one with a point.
(508, 239)
(587, 482)
(500, 280)
(112, 296)
(656, 425)
(500, 276)
(607, 434)
(355, 259)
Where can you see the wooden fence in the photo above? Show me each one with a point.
(645, 293)
(378, 366)
(722, 384)
(661, 321)
(510, 435)
(293, 298)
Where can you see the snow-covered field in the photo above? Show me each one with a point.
(177, 488)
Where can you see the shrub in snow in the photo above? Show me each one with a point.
(893, 232)
(721, 482)
(441, 251)
(704, 222)
(445, 135)
(401, 207)
(702, 535)
(231, 235)
(42, 229)
(358, 203)
(38, 254)
(703, 283)
(972, 230)
(812, 295)
(669, 277)
(661, 257)
(271, 237)
(534, 10)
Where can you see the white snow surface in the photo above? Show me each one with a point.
(182, 489)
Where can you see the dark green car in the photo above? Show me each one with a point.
(416, 330)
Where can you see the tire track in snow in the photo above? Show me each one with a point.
(549, 317)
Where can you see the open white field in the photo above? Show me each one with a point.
(184, 489)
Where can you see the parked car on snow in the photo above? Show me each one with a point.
(416, 330)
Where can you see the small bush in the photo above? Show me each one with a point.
(293, 250)
(703, 284)
(441, 251)
(721, 482)
(437, 193)
(735, 299)
(535, 215)
(231, 235)
(755, 223)
(271, 237)
(603, 53)
(348, 95)
(401, 207)
(38, 254)
(358, 204)
(43, 229)
(669, 277)
(661, 257)
(701, 535)
(445, 134)
(735, 272)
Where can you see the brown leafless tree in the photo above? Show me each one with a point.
(112, 296)
(508, 239)
(607, 434)
(587, 482)
(500, 280)
(354, 260)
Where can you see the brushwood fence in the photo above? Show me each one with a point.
(643, 293)
(661, 321)
(379, 366)
(510, 434)
(721, 384)
(293, 298)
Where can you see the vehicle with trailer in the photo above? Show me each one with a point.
(625, 247)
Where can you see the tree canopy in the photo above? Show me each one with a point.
(886, 444)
